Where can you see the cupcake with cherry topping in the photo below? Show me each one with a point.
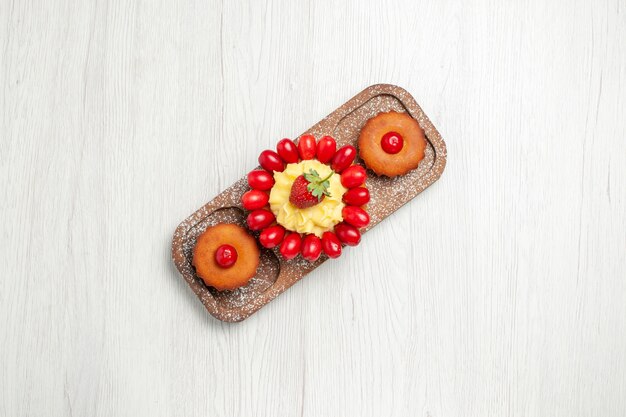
(392, 144)
(225, 256)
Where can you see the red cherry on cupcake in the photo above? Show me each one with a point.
(260, 180)
(260, 219)
(311, 248)
(331, 245)
(348, 234)
(355, 216)
(343, 158)
(288, 151)
(326, 148)
(271, 161)
(254, 199)
(226, 256)
(392, 142)
(272, 236)
(306, 147)
(353, 176)
(290, 247)
(357, 196)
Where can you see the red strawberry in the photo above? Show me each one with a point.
(300, 196)
(309, 189)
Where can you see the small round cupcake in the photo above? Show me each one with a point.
(226, 257)
(392, 144)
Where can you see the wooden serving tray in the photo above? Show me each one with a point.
(275, 274)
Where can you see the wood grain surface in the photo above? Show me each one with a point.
(499, 291)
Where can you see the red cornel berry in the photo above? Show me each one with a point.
(343, 158)
(271, 161)
(353, 176)
(254, 199)
(288, 151)
(349, 235)
(355, 216)
(260, 219)
(326, 149)
(260, 180)
(357, 196)
(306, 147)
(331, 245)
(311, 248)
(290, 248)
(272, 236)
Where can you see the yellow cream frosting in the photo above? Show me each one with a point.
(318, 219)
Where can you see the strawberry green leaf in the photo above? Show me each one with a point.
(318, 186)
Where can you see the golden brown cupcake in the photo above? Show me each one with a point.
(392, 144)
(226, 257)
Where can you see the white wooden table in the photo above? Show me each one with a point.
(500, 291)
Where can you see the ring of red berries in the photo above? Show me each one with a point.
(307, 190)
